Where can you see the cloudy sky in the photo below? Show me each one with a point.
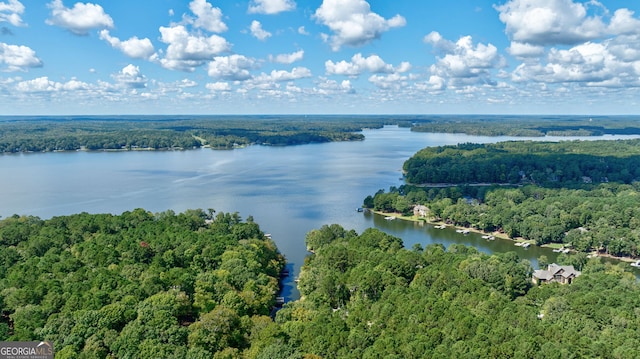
(319, 56)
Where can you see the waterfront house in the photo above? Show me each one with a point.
(420, 210)
(555, 273)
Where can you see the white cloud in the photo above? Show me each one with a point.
(185, 83)
(134, 47)
(207, 16)
(591, 64)
(550, 22)
(391, 81)
(218, 86)
(302, 31)
(360, 64)
(353, 23)
(330, 87)
(131, 77)
(623, 23)
(186, 52)
(271, 7)
(288, 58)
(233, 68)
(18, 58)
(43, 84)
(40, 84)
(79, 19)
(519, 49)
(11, 12)
(258, 32)
(463, 63)
(282, 75)
(75, 85)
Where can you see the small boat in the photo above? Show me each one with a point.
(519, 244)
(486, 236)
(491, 238)
(466, 231)
(566, 250)
(526, 245)
(558, 250)
(390, 218)
(635, 264)
(442, 226)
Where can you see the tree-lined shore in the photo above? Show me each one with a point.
(581, 194)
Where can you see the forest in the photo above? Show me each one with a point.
(582, 194)
(549, 164)
(94, 133)
(138, 285)
(365, 296)
(529, 126)
(45, 134)
(201, 284)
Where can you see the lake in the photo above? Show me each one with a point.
(288, 190)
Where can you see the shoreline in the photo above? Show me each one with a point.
(496, 234)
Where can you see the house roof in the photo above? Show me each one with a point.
(555, 270)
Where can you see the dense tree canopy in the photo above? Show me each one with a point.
(364, 296)
(137, 285)
(544, 163)
(199, 285)
(583, 194)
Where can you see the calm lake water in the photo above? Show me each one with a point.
(288, 190)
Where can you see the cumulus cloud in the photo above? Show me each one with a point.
(288, 58)
(623, 22)
(360, 64)
(549, 22)
(330, 87)
(463, 63)
(522, 50)
(18, 58)
(604, 49)
(232, 68)
(302, 31)
(131, 77)
(218, 86)
(186, 52)
(591, 64)
(134, 47)
(11, 12)
(271, 7)
(207, 16)
(43, 84)
(282, 75)
(258, 32)
(79, 19)
(353, 23)
(387, 82)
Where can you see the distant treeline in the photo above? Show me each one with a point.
(38, 134)
(67, 134)
(530, 126)
(545, 163)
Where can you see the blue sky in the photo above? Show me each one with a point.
(60, 57)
